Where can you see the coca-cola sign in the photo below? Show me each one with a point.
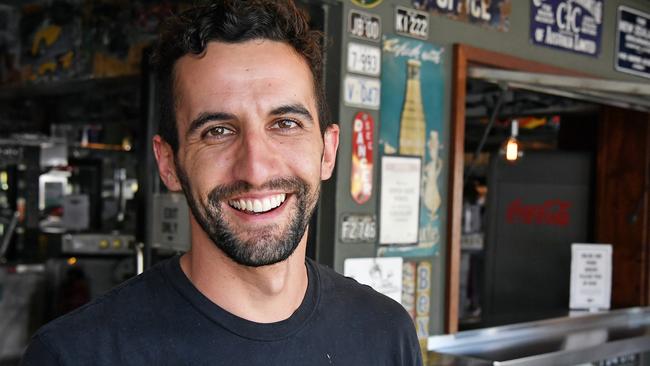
(551, 212)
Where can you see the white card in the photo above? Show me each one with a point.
(591, 276)
(382, 274)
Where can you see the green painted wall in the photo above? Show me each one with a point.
(446, 32)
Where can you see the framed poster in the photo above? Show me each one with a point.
(412, 124)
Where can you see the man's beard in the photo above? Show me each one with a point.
(267, 245)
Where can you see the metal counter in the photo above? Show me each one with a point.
(577, 339)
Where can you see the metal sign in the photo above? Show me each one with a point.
(362, 92)
(411, 22)
(568, 25)
(364, 59)
(364, 25)
(11, 154)
(358, 229)
(362, 149)
(367, 3)
(423, 299)
(494, 13)
(633, 42)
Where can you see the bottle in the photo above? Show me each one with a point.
(412, 133)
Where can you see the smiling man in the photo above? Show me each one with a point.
(244, 135)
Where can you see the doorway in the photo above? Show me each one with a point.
(586, 126)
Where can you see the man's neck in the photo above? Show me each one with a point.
(261, 294)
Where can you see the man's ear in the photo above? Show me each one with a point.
(330, 146)
(166, 164)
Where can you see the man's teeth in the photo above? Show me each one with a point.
(259, 205)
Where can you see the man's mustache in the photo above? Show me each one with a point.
(287, 184)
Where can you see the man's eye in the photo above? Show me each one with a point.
(219, 131)
(285, 124)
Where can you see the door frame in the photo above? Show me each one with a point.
(465, 56)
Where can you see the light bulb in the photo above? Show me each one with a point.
(512, 149)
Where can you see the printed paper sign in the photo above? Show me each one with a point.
(364, 59)
(412, 23)
(365, 26)
(633, 42)
(591, 276)
(567, 25)
(362, 92)
(382, 274)
(362, 151)
(400, 199)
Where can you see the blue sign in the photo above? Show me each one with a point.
(571, 25)
(633, 42)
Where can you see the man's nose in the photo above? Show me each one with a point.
(256, 159)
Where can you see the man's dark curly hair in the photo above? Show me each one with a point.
(232, 21)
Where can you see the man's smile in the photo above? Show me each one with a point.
(258, 205)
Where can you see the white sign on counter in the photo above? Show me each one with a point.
(591, 276)
(400, 199)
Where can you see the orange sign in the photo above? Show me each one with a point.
(362, 138)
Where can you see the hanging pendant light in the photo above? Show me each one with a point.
(511, 148)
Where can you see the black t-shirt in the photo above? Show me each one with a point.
(160, 318)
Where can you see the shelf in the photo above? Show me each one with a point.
(60, 88)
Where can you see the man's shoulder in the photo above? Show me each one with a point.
(359, 300)
(120, 305)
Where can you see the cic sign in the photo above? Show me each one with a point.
(570, 25)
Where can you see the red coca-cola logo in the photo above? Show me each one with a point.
(551, 212)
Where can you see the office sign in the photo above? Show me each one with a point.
(364, 59)
(412, 23)
(567, 25)
(364, 25)
(633, 42)
(494, 14)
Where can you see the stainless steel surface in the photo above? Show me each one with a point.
(8, 233)
(562, 341)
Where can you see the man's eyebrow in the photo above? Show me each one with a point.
(206, 117)
(298, 109)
